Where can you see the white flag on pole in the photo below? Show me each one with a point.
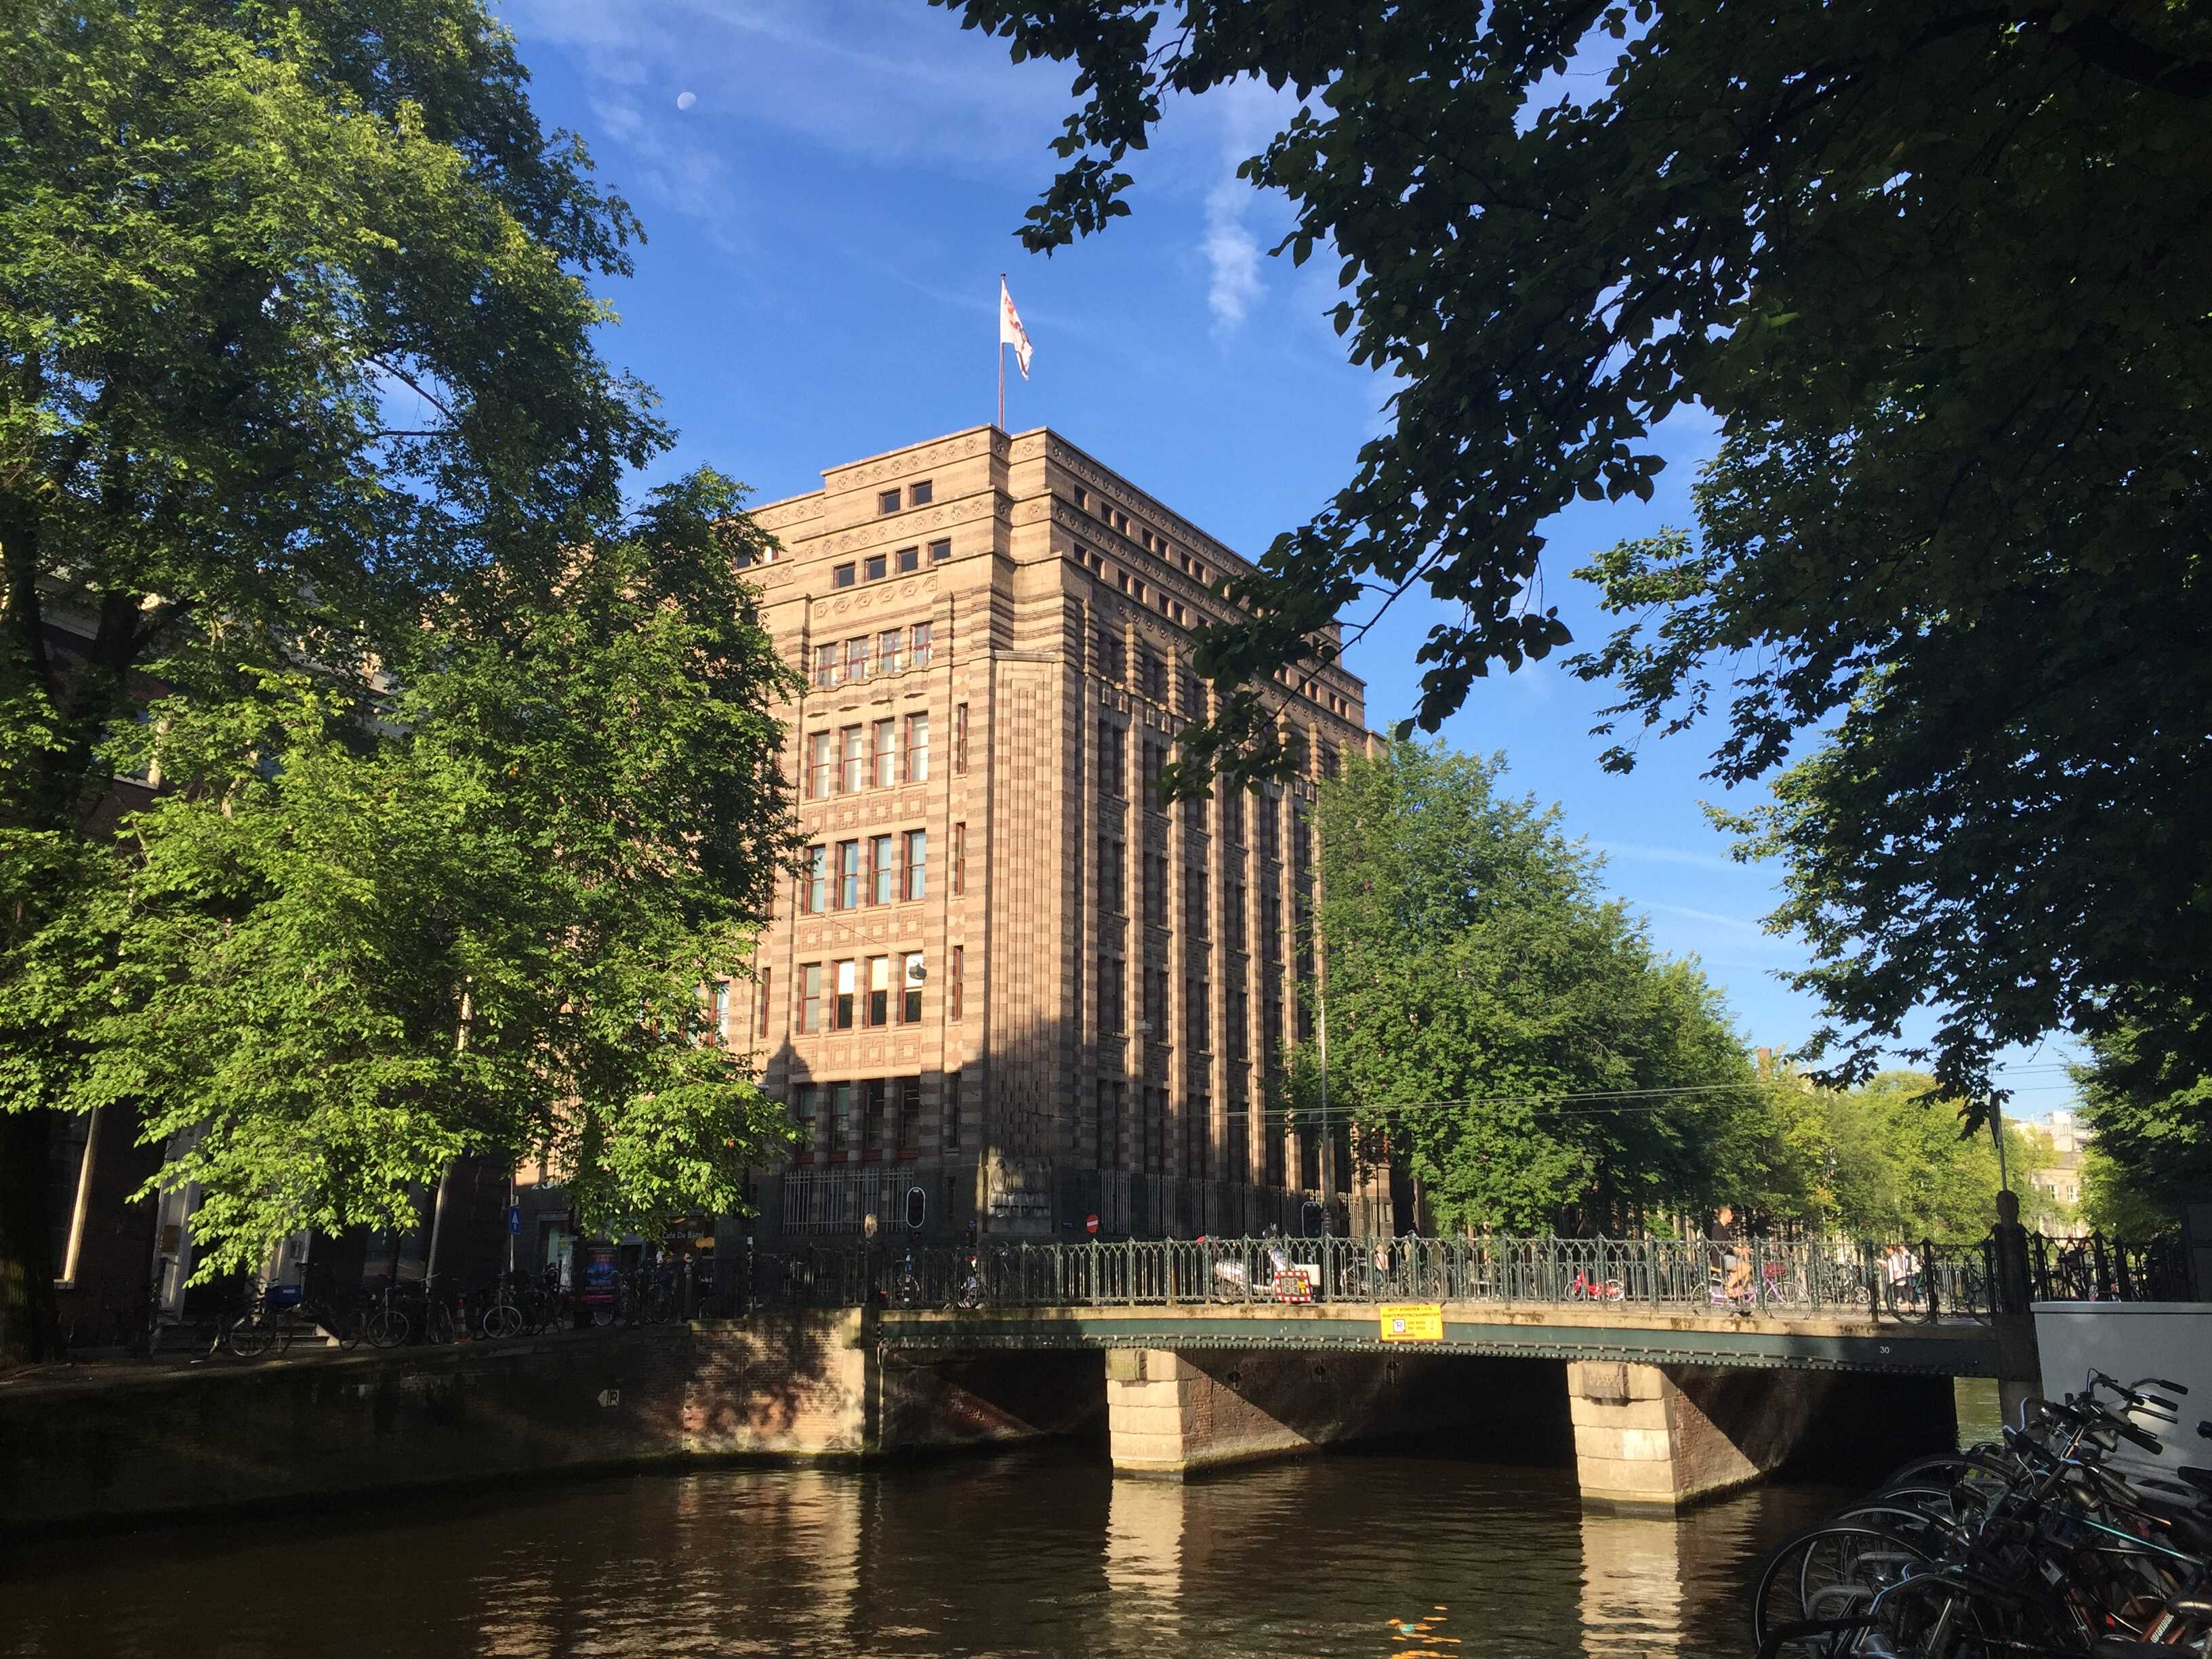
(1011, 331)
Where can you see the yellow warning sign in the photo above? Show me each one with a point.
(1413, 1322)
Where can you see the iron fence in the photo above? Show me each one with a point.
(2096, 1268)
(1762, 1277)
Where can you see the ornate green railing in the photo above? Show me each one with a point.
(1720, 1279)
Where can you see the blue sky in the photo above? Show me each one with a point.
(827, 212)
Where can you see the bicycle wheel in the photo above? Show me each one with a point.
(1826, 1577)
(352, 1328)
(387, 1327)
(502, 1319)
(250, 1336)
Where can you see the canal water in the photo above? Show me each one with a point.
(1369, 1556)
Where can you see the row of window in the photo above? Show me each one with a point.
(871, 1119)
(869, 993)
(877, 566)
(891, 869)
(877, 756)
(1115, 518)
(920, 493)
(866, 656)
(874, 1118)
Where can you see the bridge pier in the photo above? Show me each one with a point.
(1664, 1437)
(1173, 1413)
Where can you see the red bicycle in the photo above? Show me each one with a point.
(1606, 1290)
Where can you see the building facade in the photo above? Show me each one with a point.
(1009, 986)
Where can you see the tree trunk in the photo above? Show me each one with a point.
(30, 1320)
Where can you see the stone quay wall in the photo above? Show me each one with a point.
(226, 1437)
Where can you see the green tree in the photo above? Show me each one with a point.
(1937, 267)
(2152, 1118)
(1475, 977)
(294, 328)
(1901, 1166)
(357, 940)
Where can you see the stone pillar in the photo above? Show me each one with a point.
(1666, 1436)
(1166, 1417)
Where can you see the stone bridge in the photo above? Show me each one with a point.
(1665, 1407)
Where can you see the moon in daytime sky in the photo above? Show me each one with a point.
(685, 99)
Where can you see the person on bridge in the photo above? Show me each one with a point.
(1736, 1259)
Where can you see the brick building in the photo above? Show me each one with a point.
(1007, 975)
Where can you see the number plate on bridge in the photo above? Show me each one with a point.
(1412, 1321)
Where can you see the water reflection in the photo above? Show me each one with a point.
(1365, 1556)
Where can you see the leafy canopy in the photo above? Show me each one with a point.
(353, 941)
(1475, 975)
(1937, 267)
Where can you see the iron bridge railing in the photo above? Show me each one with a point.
(1924, 1281)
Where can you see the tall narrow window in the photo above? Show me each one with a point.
(1156, 1002)
(840, 1118)
(1193, 900)
(1197, 1015)
(917, 748)
(810, 997)
(1109, 1149)
(1156, 760)
(814, 884)
(1113, 770)
(717, 1012)
(917, 864)
(955, 997)
(952, 1111)
(1156, 889)
(911, 975)
(890, 651)
(1109, 995)
(959, 859)
(821, 763)
(852, 753)
(849, 875)
(884, 755)
(761, 1006)
(841, 1008)
(959, 739)
(922, 650)
(1109, 654)
(856, 658)
(877, 1092)
(880, 992)
(907, 1113)
(825, 663)
(883, 872)
(804, 1099)
(1110, 894)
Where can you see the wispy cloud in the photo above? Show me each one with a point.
(1249, 112)
(1642, 852)
(1711, 918)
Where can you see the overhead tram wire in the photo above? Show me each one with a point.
(1599, 1103)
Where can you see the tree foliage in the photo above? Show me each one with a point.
(2152, 1118)
(355, 940)
(1475, 975)
(1937, 267)
(297, 373)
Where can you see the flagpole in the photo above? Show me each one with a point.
(1002, 351)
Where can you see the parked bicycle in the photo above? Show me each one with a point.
(2034, 1545)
